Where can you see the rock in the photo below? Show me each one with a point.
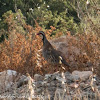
(56, 74)
(38, 84)
(12, 83)
(23, 80)
(51, 89)
(81, 75)
(60, 79)
(50, 77)
(47, 77)
(7, 79)
(69, 77)
(62, 45)
(76, 77)
(53, 83)
(38, 77)
(57, 41)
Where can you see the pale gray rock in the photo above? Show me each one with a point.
(69, 77)
(62, 45)
(38, 77)
(83, 75)
(38, 84)
(7, 79)
(22, 80)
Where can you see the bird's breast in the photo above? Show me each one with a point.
(50, 56)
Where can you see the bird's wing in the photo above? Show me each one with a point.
(61, 58)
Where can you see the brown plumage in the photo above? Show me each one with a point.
(50, 54)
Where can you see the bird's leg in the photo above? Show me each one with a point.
(62, 67)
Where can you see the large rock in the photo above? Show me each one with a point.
(83, 75)
(38, 77)
(10, 79)
(14, 86)
(7, 79)
(62, 45)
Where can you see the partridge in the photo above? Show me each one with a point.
(50, 54)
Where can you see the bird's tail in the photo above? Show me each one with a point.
(65, 63)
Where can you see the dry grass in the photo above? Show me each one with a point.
(22, 53)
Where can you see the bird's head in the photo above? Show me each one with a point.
(41, 34)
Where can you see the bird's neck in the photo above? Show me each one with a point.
(45, 41)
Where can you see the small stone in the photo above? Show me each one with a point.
(69, 77)
(48, 84)
(53, 83)
(47, 77)
(7, 78)
(39, 90)
(38, 77)
(83, 75)
(38, 84)
(76, 77)
(51, 89)
(23, 80)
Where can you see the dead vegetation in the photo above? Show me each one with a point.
(22, 52)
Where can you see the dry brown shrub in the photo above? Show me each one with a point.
(23, 53)
(20, 52)
(89, 55)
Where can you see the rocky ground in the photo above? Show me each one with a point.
(57, 86)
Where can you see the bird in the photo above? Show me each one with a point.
(50, 54)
